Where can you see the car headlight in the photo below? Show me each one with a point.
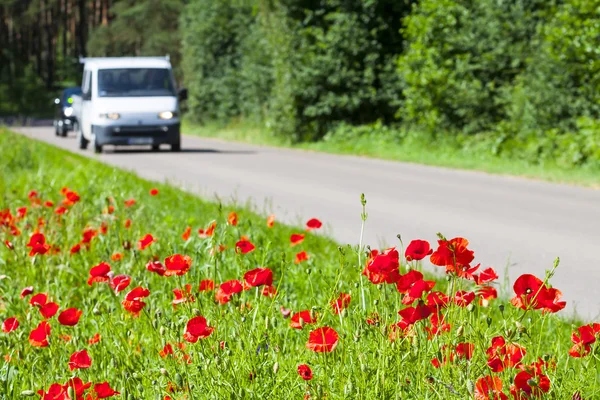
(167, 115)
(68, 111)
(113, 116)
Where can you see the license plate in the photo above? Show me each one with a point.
(140, 141)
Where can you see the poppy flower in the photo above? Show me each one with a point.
(383, 267)
(527, 288)
(486, 276)
(438, 325)
(9, 245)
(26, 291)
(71, 197)
(322, 340)
(197, 328)
(413, 286)
(49, 310)
(417, 250)
(157, 267)
(75, 249)
(153, 192)
(99, 273)
(78, 387)
(489, 388)
(146, 241)
(463, 299)
(116, 257)
(133, 302)
(209, 231)
(503, 355)
(342, 302)
(285, 312)
(10, 324)
(269, 291)
(549, 300)
(305, 372)
(39, 299)
(103, 390)
(119, 283)
(186, 234)
(244, 246)
(80, 360)
(60, 210)
(228, 289)
(56, 391)
(39, 336)
(259, 277)
(166, 351)
(88, 235)
(270, 221)
(302, 318)
(69, 317)
(296, 239)
(583, 338)
(313, 223)
(38, 244)
(206, 285)
(232, 219)
(451, 253)
(302, 256)
(177, 265)
(415, 314)
(532, 384)
(182, 296)
(127, 224)
(95, 339)
(129, 203)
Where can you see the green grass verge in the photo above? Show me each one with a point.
(412, 151)
(252, 352)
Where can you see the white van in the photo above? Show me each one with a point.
(128, 101)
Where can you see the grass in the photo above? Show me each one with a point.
(252, 352)
(413, 151)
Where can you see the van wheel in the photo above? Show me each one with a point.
(83, 142)
(155, 147)
(176, 147)
(95, 146)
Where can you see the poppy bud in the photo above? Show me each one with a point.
(267, 323)
(158, 313)
(140, 389)
(135, 375)
(301, 322)
(363, 367)
(27, 393)
(130, 396)
(363, 199)
(162, 331)
(344, 313)
(308, 271)
(164, 372)
(460, 331)
(501, 308)
(488, 320)
(196, 311)
(178, 380)
(243, 319)
(273, 322)
(275, 368)
(356, 285)
(448, 278)
(520, 327)
(341, 250)
(95, 311)
(375, 302)
(470, 387)
(485, 303)
(470, 307)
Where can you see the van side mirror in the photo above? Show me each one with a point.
(182, 94)
(57, 101)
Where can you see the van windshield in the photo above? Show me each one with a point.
(134, 82)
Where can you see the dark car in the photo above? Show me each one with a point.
(64, 119)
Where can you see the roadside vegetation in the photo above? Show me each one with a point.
(113, 286)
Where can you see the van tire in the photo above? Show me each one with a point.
(95, 146)
(83, 142)
(176, 147)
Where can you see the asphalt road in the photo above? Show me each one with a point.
(514, 225)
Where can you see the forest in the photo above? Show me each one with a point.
(518, 78)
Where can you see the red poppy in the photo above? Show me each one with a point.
(413, 285)
(71, 197)
(78, 387)
(99, 273)
(56, 391)
(527, 288)
(532, 384)
(166, 351)
(228, 289)
(129, 202)
(177, 265)
(186, 234)
(489, 388)
(269, 291)
(438, 325)
(127, 223)
(244, 246)
(259, 277)
(9, 245)
(38, 244)
(232, 219)
(60, 210)
(417, 250)
(322, 340)
(451, 253)
(49, 310)
(486, 276)
(465, 350)
(88, 235)
(270, 221)
(313, 223)
(463, 299)
(182, 296)
(153, 192)
(26, 291)
(120, 282)
(39, 336)
(75, 249)
(305, 372)
(296, 239)
(206, 285)
(95, 339)
(197, 328)
(69, 317)
(116, 257)
(414, 314)
(503, 355)
(383, 267)
(204, 233)
(583, 338)
(487, 293)
(342, 302)
(10, 324)
(302, 256)
(133, 302)
(39, 299)
(302, 318)
(80, 360)
(145, 242)
(549, 300)
(103, 390)
(21, 212)
(157, 267)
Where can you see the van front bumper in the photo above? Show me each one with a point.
(125, 135)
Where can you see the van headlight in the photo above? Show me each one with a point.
(113, 116)
(68, 111)
(167, 115)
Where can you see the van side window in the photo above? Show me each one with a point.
(86, 87)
